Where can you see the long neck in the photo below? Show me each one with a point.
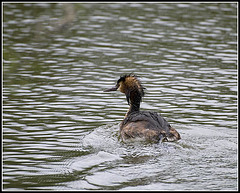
(134, 102)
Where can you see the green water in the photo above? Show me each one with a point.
(60, 131)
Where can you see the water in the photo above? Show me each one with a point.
(60, 131)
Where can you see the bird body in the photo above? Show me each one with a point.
(146, 125)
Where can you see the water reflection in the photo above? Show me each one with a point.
(60, 131)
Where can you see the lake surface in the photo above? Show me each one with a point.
(60, 130)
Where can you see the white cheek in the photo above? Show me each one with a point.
(119, 88)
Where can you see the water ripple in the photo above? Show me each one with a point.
(60, 130)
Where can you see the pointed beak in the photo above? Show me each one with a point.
(111, 89)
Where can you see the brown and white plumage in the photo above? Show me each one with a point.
(147, 125)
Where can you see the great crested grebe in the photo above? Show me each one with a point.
(147, 125)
